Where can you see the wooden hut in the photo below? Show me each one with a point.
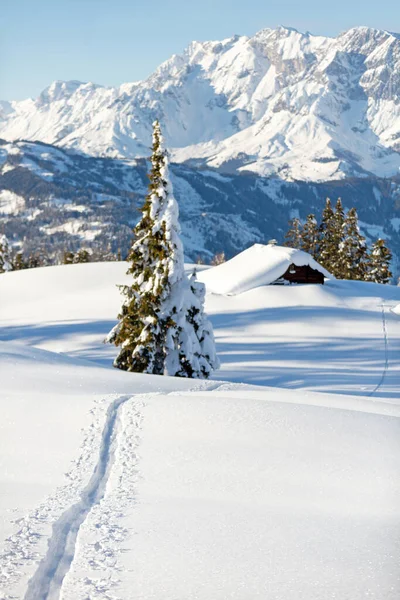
(303, 274)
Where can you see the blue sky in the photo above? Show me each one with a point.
(112, 41)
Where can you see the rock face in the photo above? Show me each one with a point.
(303, 107)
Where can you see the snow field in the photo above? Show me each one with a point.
(53, 420)
(324, 338)
(158, 487)
(247, 498)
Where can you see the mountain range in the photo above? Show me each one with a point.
(267, 124)
(302, 106)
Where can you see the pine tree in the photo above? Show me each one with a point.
(5, 255)
(378, 265)
(34, 261)
(293, 237)
(154, 333)
(68, 257)
(196, 343)
(327, 241)
(353, 249)
(19, 262)
(218, 259)
(39, 258)
(338, 233)
(82, 256)
(310, 236)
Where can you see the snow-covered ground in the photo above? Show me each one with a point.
(342, 337)
(119, 486)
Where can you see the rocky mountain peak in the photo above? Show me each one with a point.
(282, 103)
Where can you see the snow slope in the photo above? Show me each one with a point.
(257, 266)
(337, 337)
(166, 488)
(53, 411)
(302, 106)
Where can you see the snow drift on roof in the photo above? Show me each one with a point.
(256, 266)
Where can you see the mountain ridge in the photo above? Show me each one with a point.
(54, 199)
(281, 102)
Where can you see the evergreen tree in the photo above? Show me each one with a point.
(82, 256)
(378, 266)
(310, 236)
(155, 333)
(68, 257)
(327, 241)
(208, 358)
(218, 259)
(5, 255)
(198, 357)
(353, 249)
(293, 237)
(339, 219)
(19, 262)
(34, 261)
(39, 258)
(338, 233)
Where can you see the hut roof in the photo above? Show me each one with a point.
(256, 266)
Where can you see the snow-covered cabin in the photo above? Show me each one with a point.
(263, 265)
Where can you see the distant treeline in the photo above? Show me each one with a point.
(16, 260)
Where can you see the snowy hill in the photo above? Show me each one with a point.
(316, 337)
(281, 102)
(121, 485)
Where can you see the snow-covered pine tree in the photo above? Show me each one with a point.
(338, 232)
(155, 333)
(5, 255)
(218, 259)
(35, 260)
(68, 257)
(190, 345)
(19, 262)
(327, 242)
(293, 236)
(310, 236)
(353, 249)
(197, 344)
(83, 255)
(378, 264)
(39, 258)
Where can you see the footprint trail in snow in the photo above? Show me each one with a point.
(47, 582)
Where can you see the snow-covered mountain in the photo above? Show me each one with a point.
(306, 107)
